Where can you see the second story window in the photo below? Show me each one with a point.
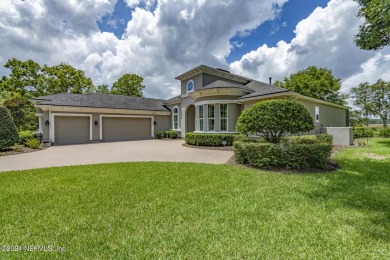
(190, 86)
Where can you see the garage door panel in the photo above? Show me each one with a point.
(71, 129)
(126, 129)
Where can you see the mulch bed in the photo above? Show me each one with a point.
(18, 149)
(218, 148)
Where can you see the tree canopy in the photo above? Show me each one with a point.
(128, 85)
(275, 118)
(374, 34)
(373, 99)
(315, 82)
(8, 132)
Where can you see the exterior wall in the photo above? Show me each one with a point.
(197, 83)
(45, 127)
(341, 135)
(162, 123)
(234, 112)
(328, 117)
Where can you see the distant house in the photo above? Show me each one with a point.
(211, 101)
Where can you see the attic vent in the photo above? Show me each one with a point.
(223, 70)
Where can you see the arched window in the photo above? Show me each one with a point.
(190, 86)
(175, 118)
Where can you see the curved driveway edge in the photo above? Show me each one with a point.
(133, 151)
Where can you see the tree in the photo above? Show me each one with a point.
(275, 118)
(356, 118)
(128, 85)
(373, 99)
(18, 108)
(64, 78)
(8, 132)
(315, 82)
(24, 77)
(374, 34)
(103, 89)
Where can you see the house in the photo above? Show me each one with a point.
(211, 101)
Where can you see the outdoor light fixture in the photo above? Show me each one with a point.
(96, 122)
(155, 123)
(47, 122)
(224, 143)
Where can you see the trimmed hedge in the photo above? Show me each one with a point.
(309, 139)
(8, 132)
(171, 134)
(209, 139)
(283, 155)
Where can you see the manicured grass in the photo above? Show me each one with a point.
(181, 210)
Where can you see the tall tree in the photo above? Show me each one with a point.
(315, 82)
(373, 99)
(18, 106)
(128, 85)
(356, 118)
(24, 77)
(374, 34)
(103, 89)
(64, 78)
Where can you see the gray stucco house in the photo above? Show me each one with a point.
(211, 101)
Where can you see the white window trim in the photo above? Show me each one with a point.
(227, 117)
(124, 116)
(178, 118)
(210, 118)
(52, 123)
(317, 113)
(198, 119)
(193, 86)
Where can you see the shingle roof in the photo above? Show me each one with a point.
(262, 89)
(225, 84)
(97, 100)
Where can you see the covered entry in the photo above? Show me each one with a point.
(120, 128)
(71, 129)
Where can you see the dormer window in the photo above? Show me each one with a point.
(190, 86)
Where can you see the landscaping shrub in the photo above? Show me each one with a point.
(8, 132)
(24, 136)
(292, 155)
(33, 143)
(308, 139)
(209, 139)
(171, 134)
(384, 132)
(359, 132)
(159, 134)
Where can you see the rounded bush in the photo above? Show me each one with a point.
(33, 144)
(8, 132)
(384, 132)
(360, 132)
(171, 134)
(273, 119)
(159, 134)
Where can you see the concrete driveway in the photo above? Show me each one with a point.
(134, 151)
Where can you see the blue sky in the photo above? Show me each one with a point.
(269, 32)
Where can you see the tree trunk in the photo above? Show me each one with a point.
(384, 120)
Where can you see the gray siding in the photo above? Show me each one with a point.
(208, 79)
(197, 81)
(162, 123)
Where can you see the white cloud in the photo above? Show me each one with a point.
(324, 39)
(165, 37)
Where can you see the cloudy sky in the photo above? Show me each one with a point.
(160, 39)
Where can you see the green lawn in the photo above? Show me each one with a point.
(182, 210)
